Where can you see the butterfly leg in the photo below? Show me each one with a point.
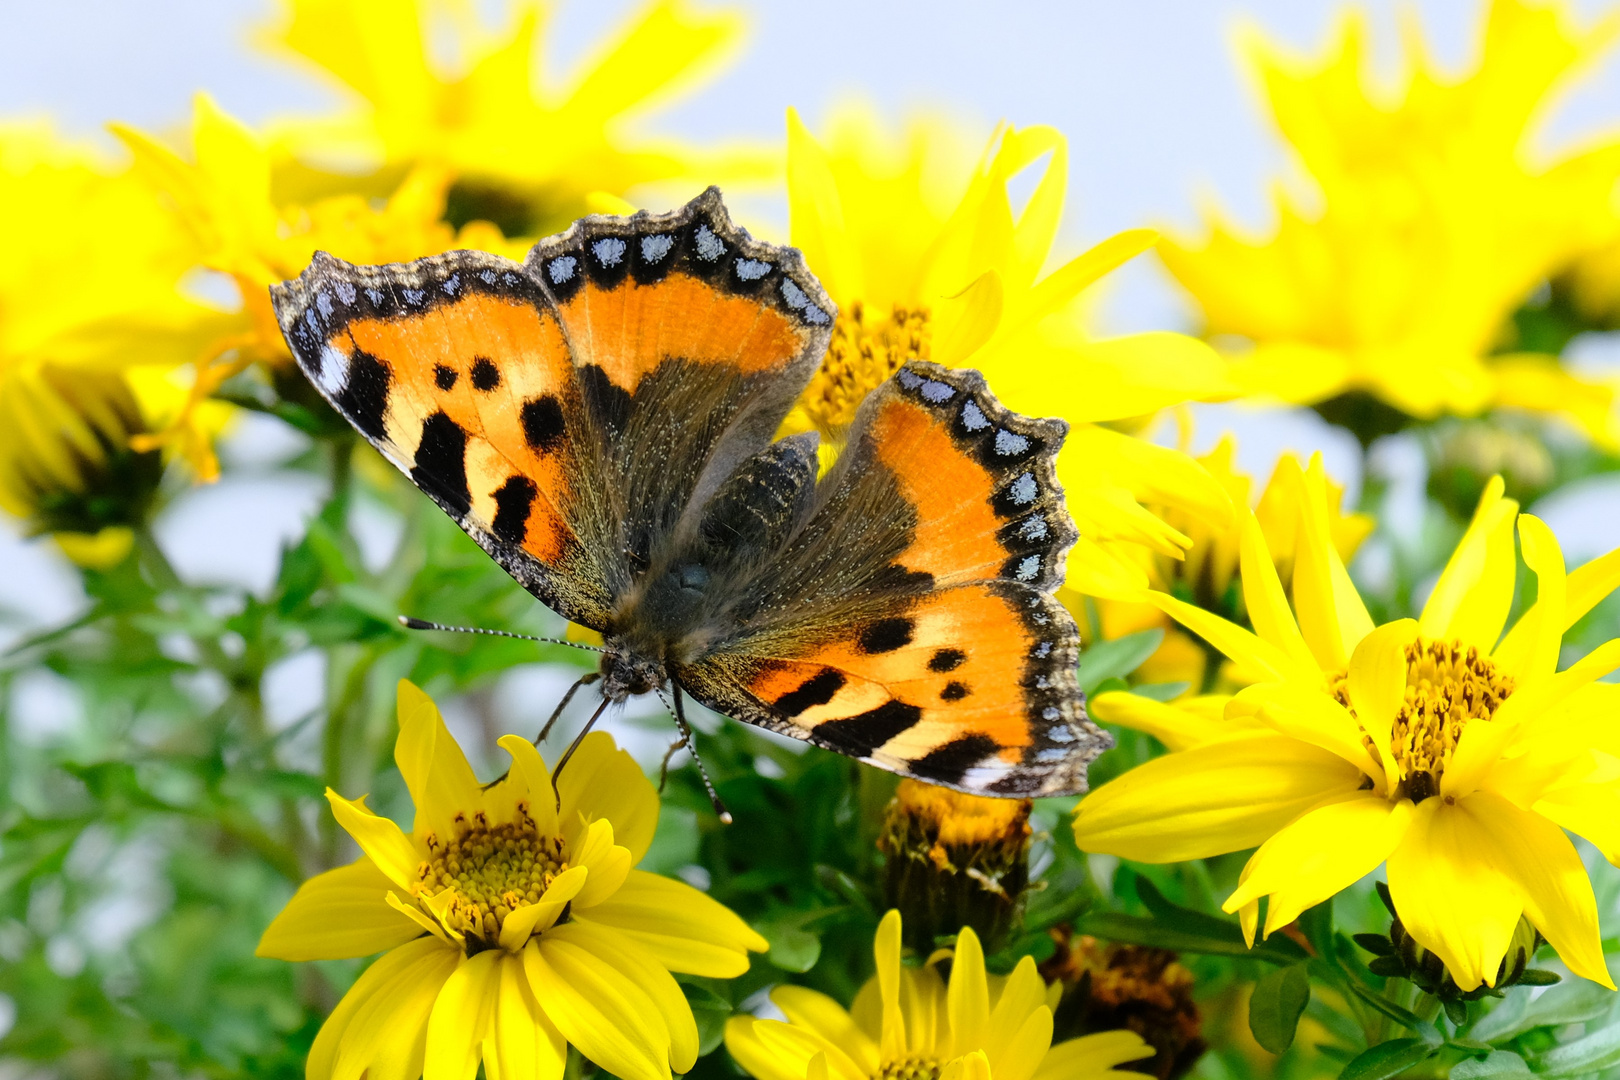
(687, 740)
(584, 731)
(584, 680)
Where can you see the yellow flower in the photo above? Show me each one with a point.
(1208, 573)
(928, 262)
(513, 921)
(224, 199)
(1434, 224)
(525, 158)
(1455, 753)
(909, 1024)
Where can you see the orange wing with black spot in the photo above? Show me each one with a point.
(910, 622)
(567, 411)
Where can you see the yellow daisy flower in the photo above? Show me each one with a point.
(1438, 745)
(909, 1024)
(527, 158)
(928, 263)
(88, 292)
(223, 198)
(1435, 224)
(513, 922)
(1207, 575)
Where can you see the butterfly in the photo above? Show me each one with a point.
(601, 420)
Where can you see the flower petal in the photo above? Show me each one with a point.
(1331, 614)
(755, 1056)
(682, 928)
(968, 998)
(816, 211)
(814, 1011)
(382, 840)
(435, 770)
(461, 1018)
(1470, 602)
(1534, 653)
(523, 922)
(534, 782)
(1021, 995)
(1311, 716)
(611, 1020)
(381, 1023)
(1260, 660)
(1450, 896)
(1263, 594)
(1584, 589)
(1533, 852)
(523, 1043)
(602, 781)
(1212, 799)
(968, 319)
(1022, 1054)
(608, 863)
(1092, 1056)
(648, 975)
(1324, 850)
(1176, 727)
(886, 951)
(1591, 811)
(1376, 683)
(800, 1050)
(336, 915)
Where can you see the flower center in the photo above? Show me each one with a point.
(862, 354)
(490, 872)
(910, 1069)
(1447, 685)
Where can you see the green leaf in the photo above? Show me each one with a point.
(1568, 1003)
(711, 1011)
(1117, 658)
(1132, 930)
(1163, 691)
(1499, 1065)
(1278, 1001)
(792, 947)
(1317, 924)
(1589, 1054)
(1404, 1017)
(1387, 1059)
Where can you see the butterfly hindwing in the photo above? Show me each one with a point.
(920, 631)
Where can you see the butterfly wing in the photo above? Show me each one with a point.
(565, 411)
(911, 622)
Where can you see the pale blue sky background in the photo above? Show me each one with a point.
(1157, 111)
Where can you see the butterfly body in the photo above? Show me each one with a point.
(601, 419)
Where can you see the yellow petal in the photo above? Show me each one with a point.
(602, 781)
(612, 1022)
(338, 914)
(1376, 683)
(1533, 852)
(968, 319)
(1263, 594)
(1113, 378)
(816, 211)
(815, 1011)
(608, 863)
(1177, 728)
(529, 768)
(1536, 652)
(1320, 853)
(441, 782)
(645, 973)
(433, 924)
(523, 1043)
(1021, 995)
(461, 1018)
(800, 1050)
(1470, 602)
(1220, 797)
(1060, 288)
(1584, 588)
(886, 950)
(1591, 811)
(1331, 613)
(1450, 896)
(1310, 716)
(381, 1023)
(1022, 1054)
(1091, 1057)
(682, 928)
(756, 1058)
(968, 998)
(379, 838)
(1262, 659)
(526, 920)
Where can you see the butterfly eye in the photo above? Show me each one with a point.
(693, 577)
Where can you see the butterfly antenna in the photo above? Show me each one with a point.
(686, 740)
(584, 680)
(412, 623)
(584, 731)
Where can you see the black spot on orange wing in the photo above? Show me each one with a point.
(444, 377)
(816, 690)
(364, 398)
(607, 401)
(954, 691)
(886, 635)
(946, 660)
(512, 503)
(441, 463)
(485, 375)
(543, 426)
(949, 763)
(859, 735)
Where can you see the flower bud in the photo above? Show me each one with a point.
(955, 860)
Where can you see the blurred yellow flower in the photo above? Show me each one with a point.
(514, 922)
(225, 200)
(1455, 753)
(929, 261)
(1430, 224)
(1207, 576)
(908, 1023)
(88, 291)
(525, 156)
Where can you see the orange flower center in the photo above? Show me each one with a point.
(1447, 686)
(862, 354)
(490, 872)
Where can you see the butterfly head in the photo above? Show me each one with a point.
(627, 671)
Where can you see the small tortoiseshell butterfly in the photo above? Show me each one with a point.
(600, 420)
